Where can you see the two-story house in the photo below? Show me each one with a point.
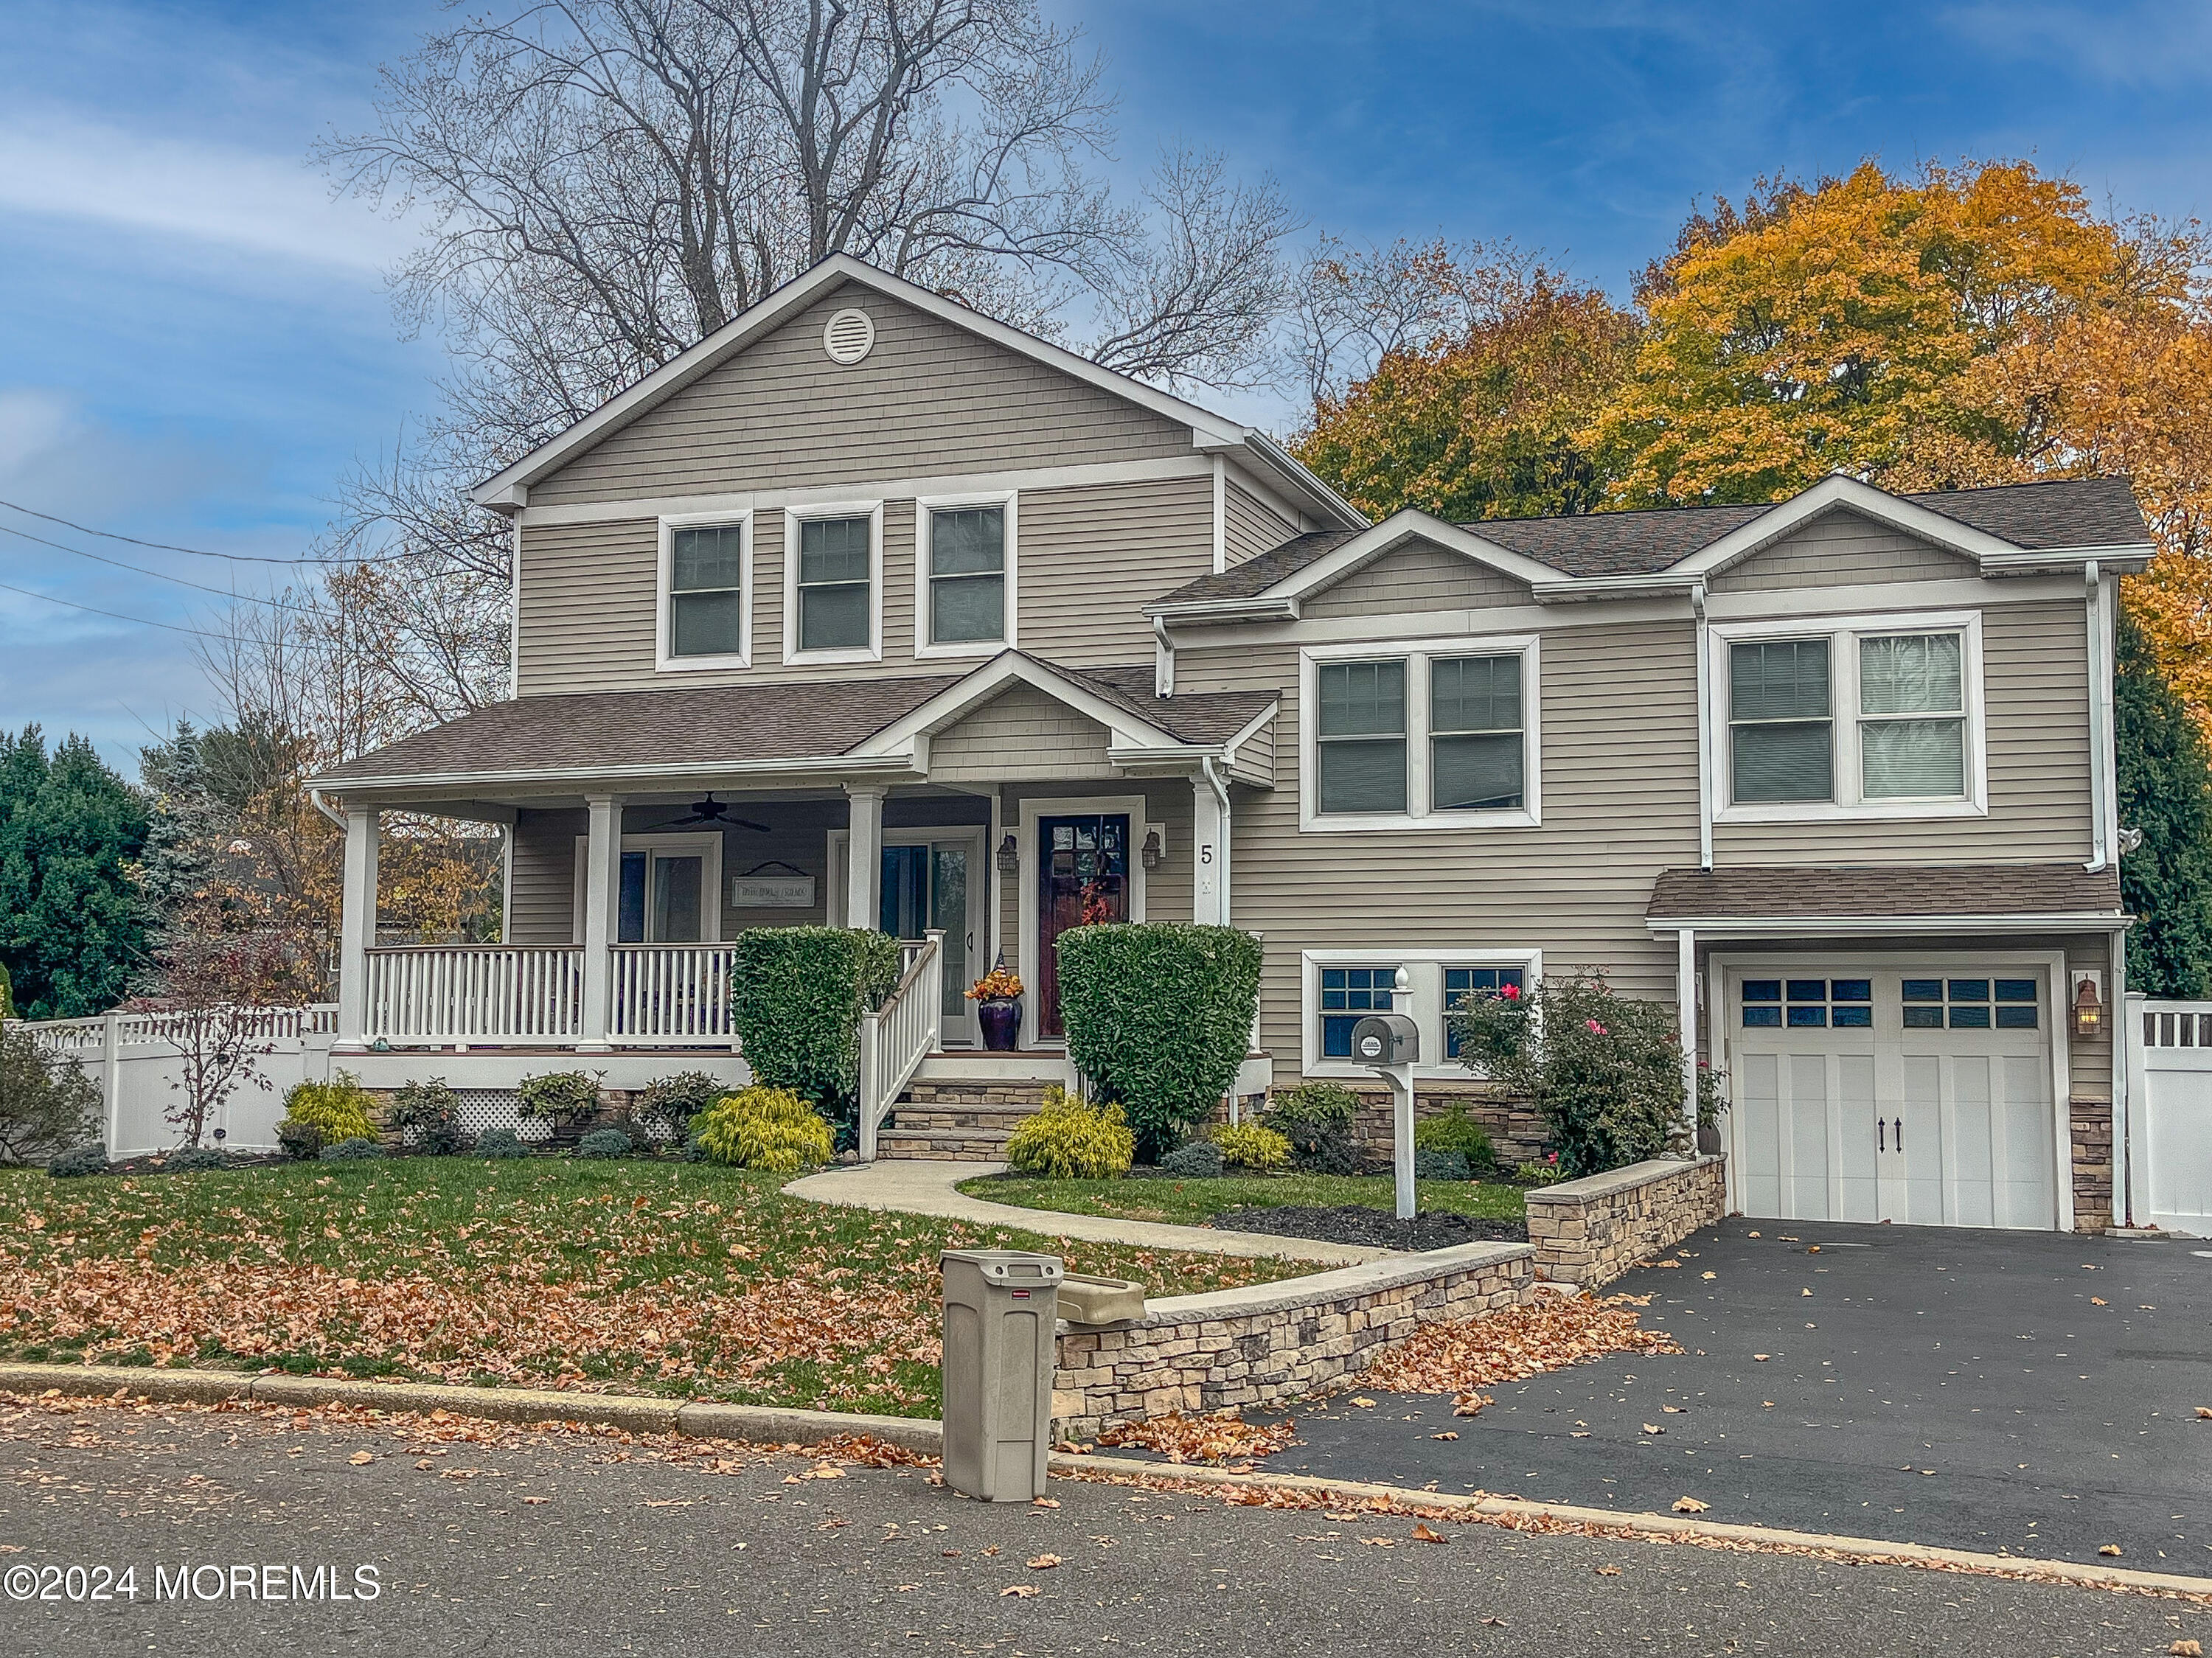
(870, 609)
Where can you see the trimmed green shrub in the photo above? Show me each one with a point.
(677, 1099)
(194, 1160)
(1318, 1120)
(1441, 1165)
(78, 1162)
(430, 1114)
(559, 1097)
(1158, 1018)
(317, 1115)
(799, 994)
(1068, 1138)
(761, 1128)
(1252, 1146)
(47, 1104)
(1605, 1070)
(604, 1143)
(351, 1152)
(1197, 1160)
(1455, 1129)
(501, 1143)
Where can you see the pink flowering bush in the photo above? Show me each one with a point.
(1604, 1070)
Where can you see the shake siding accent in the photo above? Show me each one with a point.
(1419, 577)
(545, 877)
(1620, 782)
(1091, 558)
(2036, 681)
(929, 400)
(1254, 526)
(1021, 736)
(1842, 550)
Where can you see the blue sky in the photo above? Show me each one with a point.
(195, 343)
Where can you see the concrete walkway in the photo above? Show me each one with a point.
(919, 1187)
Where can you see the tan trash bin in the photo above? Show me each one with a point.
(1000, 1306)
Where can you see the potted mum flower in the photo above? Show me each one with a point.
(998, 998)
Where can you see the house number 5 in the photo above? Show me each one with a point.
(1205, 853)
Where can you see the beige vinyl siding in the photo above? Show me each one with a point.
(1616, 811)
(2091, 1063)
(1021, 735)
(544, 883)
(1091, 558)
(584, 616)
(1255, 757)
(1252, 525)
(2036, 687)
(1417, 577)
(1842, 550)
(928, 400)
(900, 522)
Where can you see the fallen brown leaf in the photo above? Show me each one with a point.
(1445, 1435)
(1689, 1505)
(1043, 1563)
(2111, 1549)
(1653, 1428)
(2185, 1648)
(1019, 1591)
(1044, 1502)
(1425, 1534)
(1614, 1571)
(360, 1457)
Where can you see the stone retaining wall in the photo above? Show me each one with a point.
(1235, 1349)
(1591, 1230)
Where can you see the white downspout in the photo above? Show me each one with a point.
(2101, 748)
(1163, 659)
(315, 798)
(1704, 729)
(1685, 1004)
(2117, 1011)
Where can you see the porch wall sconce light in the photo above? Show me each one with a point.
(2088, 1012)
(1153, 853)
(1009, 858)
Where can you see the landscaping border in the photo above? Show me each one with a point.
(1591, 1230)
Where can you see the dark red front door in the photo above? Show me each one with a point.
(1083, 877)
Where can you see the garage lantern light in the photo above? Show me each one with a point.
(2088, 1012)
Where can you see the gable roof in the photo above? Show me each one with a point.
(2061, 514)
(508, 489)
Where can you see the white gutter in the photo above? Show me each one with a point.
(1820, 927)
(2101, 674)
(315, 798)
(1221, 514)
(1704, 729)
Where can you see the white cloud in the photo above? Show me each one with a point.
(2157, 43)
(244, 201)
(54, 457)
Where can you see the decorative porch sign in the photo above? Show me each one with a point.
(762, 888)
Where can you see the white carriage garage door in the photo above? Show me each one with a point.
(1920, 1094)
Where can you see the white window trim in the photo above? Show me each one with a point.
(1425, 968)
(665, 596)
(708, 844)
(1417, 654)
(793, 518)
(923, 597)
(1843, 633)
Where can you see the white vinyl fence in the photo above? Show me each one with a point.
(2170, 1122)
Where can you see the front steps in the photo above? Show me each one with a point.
(963, 1122)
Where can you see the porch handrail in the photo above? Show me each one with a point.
(475, 992)
(897, 1036)
(672, 993)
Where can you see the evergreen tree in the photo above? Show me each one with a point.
(72, 926)
(178, 876)
(2165, 791)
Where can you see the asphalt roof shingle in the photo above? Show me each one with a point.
(1889, 891)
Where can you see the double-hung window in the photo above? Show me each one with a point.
(1439, 735)
(832, 576)
(1881, 717)
(965, 576)
(705, 570)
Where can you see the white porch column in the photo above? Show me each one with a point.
(602, 913)
(864, 857)
(1209, 848)
(1686, 1003)
(356, 930)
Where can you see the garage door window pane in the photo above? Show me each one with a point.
(1762, 1003)
(2016, 1003)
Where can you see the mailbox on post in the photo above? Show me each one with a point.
(1381, 1039)
(1391, 1043)
(1001, 1309)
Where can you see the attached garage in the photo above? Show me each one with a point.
(1921, 1091)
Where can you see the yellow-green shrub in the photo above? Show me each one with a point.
(1252, 1146)
(1071, 1139)
(762, 1128)
(325, 1113)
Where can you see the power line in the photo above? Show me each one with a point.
(196, 552)
(117, 616)
(159, 575)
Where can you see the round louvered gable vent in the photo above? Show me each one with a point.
(848, 337)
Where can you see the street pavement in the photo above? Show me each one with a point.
(1998, 1390)
(563, 1543)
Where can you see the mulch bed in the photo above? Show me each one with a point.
(1355, 1223)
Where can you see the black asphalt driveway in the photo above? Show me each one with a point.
(2003, 1391)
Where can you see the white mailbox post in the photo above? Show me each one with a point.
(1391, 1043)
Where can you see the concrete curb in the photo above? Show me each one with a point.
(1874, 1550)
(776, 1425)
(757, 1423)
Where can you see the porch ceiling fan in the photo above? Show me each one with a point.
(711, 811)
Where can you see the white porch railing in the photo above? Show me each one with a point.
(673, 994)
(897, 1036)
(488, 992)
(278, 1024)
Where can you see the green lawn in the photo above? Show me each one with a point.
(1192, 1202)
(662, 1277)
